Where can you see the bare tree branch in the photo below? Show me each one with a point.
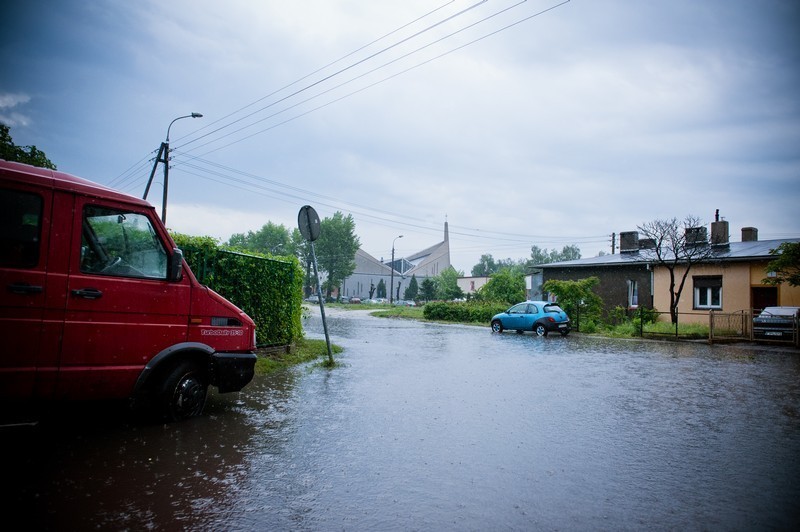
(677, 244)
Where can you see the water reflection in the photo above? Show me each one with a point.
(449, 427)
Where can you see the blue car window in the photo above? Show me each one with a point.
(533, 309)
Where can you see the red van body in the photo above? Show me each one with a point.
(98, 303)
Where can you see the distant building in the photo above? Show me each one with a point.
(470, 285)
(369, 271)
(533, 285)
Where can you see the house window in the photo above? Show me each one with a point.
(633, 294)
(708, 292)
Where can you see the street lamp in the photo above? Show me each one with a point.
(163, 157)
(391, 265)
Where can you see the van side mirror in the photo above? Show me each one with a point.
(176, 265)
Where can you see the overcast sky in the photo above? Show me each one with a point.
(517, 123)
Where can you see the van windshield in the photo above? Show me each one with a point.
(121, 243)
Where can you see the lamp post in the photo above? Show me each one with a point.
(163, 157)
(391, 265)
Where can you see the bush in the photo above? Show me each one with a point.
(463, 312)
(269, 290)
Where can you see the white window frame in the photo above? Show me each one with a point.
(633, 294)
(704, 297)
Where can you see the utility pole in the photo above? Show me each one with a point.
(391, 265)
(163, 157)
(613, 243)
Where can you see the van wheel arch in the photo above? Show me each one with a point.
(183, 394)
(160, 378)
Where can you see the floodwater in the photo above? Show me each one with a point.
(443, 427)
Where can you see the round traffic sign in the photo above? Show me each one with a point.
(308, 222)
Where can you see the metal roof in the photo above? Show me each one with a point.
(734, 251)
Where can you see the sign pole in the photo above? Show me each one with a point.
(309, 224)
(322, 305)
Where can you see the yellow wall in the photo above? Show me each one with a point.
(737, 280)
(788, 296)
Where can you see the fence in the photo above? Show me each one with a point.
(728, 326)
(713, 326)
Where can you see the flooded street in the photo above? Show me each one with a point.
(444, 427)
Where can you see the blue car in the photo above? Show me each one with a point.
(540, 317)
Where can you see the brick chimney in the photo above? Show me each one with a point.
(719, 232)
(696, 236)
(749, 234)
(629, 242)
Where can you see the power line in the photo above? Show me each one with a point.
(289, 193)
(221, 173)
(342, 70)
(372, 71)
(128, 176)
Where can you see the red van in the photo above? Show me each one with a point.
(97, 303)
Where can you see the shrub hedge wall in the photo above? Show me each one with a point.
(268, 289)
(471, 311)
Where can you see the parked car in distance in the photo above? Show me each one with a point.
(404, 303)
(540, 317)
(776, 323)
(355, 300)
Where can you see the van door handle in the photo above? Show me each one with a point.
(24, 288)
(88, 293)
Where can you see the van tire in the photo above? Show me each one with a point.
(184, 393)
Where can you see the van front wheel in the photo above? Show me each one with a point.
(184, 393)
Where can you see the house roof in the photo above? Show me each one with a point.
(734, 251)
(379, 267)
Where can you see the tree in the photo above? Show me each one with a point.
(786, 266)
(485, 267)
(677, 245)
(543, 256)
(271, 239)
(428, 289)
(413, 289)
(507, 286)
(572, 252)
(572, 295)
(381, 289)
(516, 266)
(21, 154)
(336, 249)
(302, 250)
(448, 288)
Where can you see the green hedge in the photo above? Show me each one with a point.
(468, 312)
(268, 289)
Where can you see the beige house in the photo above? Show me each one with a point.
(730, 281)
